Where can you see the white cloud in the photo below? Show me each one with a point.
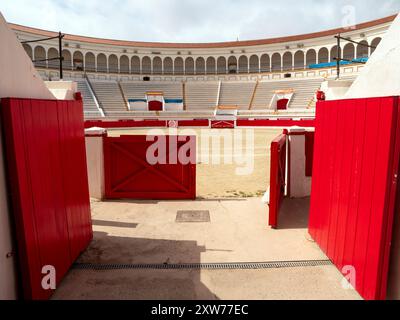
(190, 20)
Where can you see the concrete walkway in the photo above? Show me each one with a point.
(147, 233)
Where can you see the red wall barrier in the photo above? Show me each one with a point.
(308, 123)
(277, 178)
(356, 161)
(47, 173)
(194, 123)
(125, 124)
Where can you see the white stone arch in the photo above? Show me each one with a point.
(299, 59)
(189, 65)
(146, 65)
(362, 51)
(349, 51)
(311, 57)
(135, 65)
(102, 62)
(200, 65)
(276, 62)
(334, 53)
(90, 62)
(232, 64)
(265, 63)
(287, 61)
(39, 54)
(157, 65)
(52, 53)
(77, 60)
(221, 65)
(179, 66)
(243, 64)
(113, 64)
(323, 55)
(254, 64)
(67, 59)
(168, 65)
(124, 64)
(211, 65)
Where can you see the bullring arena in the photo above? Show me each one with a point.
(261, 169)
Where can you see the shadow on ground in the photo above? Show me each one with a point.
(294, 214)
(135, 284)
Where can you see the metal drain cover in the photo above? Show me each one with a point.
(194, 216)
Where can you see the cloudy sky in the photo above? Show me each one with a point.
(193, 20)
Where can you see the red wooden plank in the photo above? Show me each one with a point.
(194, 123)
(317, 181)
(277, 178)
(357, 151)
(348, 142)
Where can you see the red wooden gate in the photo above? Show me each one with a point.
(129, 175)
(47, 173)
(356, 161)
(222, 124)
(277, 178)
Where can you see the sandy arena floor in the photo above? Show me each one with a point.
(216, 181)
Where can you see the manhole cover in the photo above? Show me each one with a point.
(193, 216)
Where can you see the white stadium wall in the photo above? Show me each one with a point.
(240, 60)
(18, 77)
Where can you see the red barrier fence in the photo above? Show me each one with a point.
(280, 123)
(125, 124)
(356, 165)
(47, 173)
(129, 175)
(277, 178)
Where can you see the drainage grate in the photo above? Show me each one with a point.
(193, 216)
(205, 266)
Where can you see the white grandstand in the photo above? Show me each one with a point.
(243, 74)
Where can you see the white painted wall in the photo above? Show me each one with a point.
(95, 162)
(62, 90)
(381, 75)
(8, 278)
(18, 77)
(300, 185)
(335, 89)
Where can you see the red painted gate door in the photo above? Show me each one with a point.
(130, 175)
(356, 163)
(277, 178)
